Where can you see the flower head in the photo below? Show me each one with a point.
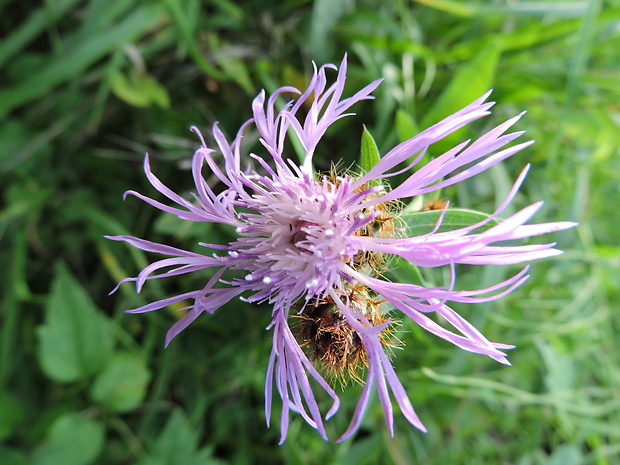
(312, 246)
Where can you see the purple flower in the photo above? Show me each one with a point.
(314, 246)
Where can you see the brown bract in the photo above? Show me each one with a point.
(435, 204)
(322, 330)
(327, 338)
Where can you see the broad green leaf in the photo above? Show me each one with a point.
(561, 374)
(122, 385)
(567, 454)
(178, 443)
(75, 340)
(404, 272)
(12, 456)
(369, 152)
(139, 90)
(421, 223)
(72, 440)
(471, 81)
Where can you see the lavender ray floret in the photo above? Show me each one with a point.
(314, 245)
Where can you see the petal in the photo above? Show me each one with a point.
(407, 149)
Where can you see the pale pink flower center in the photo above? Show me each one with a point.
(298, 240)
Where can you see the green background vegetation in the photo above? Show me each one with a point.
(86, 87)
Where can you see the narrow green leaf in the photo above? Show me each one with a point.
(34, 24)
(72, 440)
(122, 385)
(238, 72)
(12, 414)
(421, 223)
(462, 9)
(75, 340)
(325, 15)
(16, 135)
(74, 61)
(523, 38)
(188, 37)
(15, 288)
(471, 81)
(549, 10)
(405, 125)
(369, 153)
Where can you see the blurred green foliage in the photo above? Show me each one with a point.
(88, 86)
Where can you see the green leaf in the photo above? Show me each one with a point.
(561, 373)
(369, 153)
(72, 62)
(566, 454)
(461, 9)
(139, 90)
(122, 385)
(188, 37)
(403, 271)
(15, 136)
(12, 456)
(75, 340)
(421, 223)
(34, 25)
(178, 443)
(405, 125)
(237, 70)
(325, 16)
(12, 413)
(471, 81)
(72, 440)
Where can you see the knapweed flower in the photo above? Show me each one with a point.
(314, 246)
